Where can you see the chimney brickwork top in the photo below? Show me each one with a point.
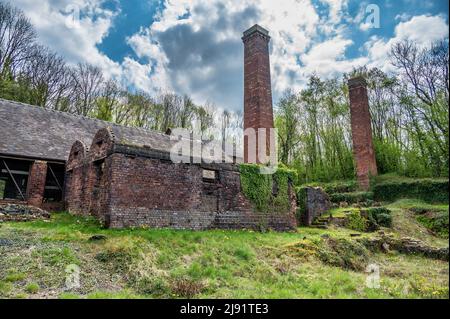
(256, 29)
(356, 82)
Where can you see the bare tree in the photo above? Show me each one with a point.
(48, 76)
(87, 87)
(17, 38)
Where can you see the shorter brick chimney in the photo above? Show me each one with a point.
(363, 149)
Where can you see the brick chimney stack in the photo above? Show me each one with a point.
(363, 150)
(258, 111)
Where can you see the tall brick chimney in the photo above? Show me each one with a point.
(363, 150)
(258, 111)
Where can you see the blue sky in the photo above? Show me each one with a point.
(194, 47)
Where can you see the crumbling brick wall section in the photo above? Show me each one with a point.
(36, 183)
(76, 171)
(258, 110)
(363, 149)
(87, 176)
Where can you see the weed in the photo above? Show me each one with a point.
(32, 288)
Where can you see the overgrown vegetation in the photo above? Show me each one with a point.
(379, 216)
(151, 263)
(429, 190)
(267, 192)
(434, 217)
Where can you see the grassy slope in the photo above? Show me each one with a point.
(152, 263)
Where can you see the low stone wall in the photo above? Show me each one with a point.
(405, 245)
(143, 217)
(17, 212)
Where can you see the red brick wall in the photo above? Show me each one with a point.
(148, 182)
(258, 111)
(363, 149)
(157, 193)
(36, 183)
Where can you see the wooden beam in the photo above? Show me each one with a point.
(54, 176)
(13, 179)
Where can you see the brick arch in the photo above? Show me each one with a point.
(102, 142)
(78, 153)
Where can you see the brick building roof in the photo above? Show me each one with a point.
(39, 133)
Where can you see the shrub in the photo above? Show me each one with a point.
(384, 220)
(380, 215)
(437, 222)
(351, 198)
(356, 222)
(428, 190)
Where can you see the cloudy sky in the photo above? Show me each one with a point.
(195, 47)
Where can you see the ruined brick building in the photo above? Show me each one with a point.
(125, 177)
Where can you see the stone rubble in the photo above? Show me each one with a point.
(19, 213)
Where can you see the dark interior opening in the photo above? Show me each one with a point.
(99, 167)
(54, 183)
(13, 178)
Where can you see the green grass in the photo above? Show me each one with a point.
(435, 218)
(405, 221)
(164, 263)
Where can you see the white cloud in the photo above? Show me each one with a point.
(336, 8)
(293, 26)
(75, 41)
(328, 59)
(423, 30)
